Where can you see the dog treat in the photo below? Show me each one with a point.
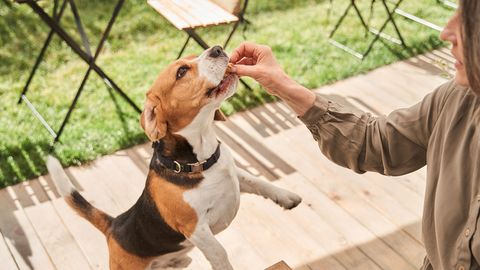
(229, 68)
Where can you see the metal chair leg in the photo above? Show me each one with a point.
(76, 48)
(339, 22)
(85, 78)
(42, 53)
(85, 56)
(197, 38)
(378, 33)
(234, 28)
(390, 19)
(78, 22)
(448, 3)
(72, 106)
(183, 47)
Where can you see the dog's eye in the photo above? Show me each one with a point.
(182, 71)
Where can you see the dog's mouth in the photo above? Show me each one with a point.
(222, 87)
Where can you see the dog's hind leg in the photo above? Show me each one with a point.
(254, 185)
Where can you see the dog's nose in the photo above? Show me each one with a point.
(217, 51)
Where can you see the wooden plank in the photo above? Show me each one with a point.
(322, 264)
(135, 154)
(125, 180)
(192, 14)
(408, 198)
(279, 266)
(374, 209)
(105, 191)
(89, 239)
(341, 252)
(55, 237)
(172, 17)
(175, 6)
(196, 9)
(5, 256)
(206, 12)
(213, 8)
(235, 242)
(19, 235)
(341, 220)
(276, 234)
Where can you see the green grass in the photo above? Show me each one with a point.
(140, 45)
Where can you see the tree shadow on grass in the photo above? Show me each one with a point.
(23, 161)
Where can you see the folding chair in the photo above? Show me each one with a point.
(188, 15)
(377, 33)
(85, 54)
(423, 21)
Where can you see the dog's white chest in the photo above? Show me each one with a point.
(217, 198)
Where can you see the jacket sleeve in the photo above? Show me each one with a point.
(392, 145)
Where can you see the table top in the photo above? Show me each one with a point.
(185, 14)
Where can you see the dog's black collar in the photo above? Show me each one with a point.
(196, 167)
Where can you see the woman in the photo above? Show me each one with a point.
(443, 131)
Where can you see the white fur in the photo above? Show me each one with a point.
(59, 177)
(212, 68)
(217, 198)
(252, 184)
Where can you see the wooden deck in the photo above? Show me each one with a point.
(346, 221)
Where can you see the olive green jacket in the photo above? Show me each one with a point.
(442, 132)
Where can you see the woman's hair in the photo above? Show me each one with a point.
(470, 11)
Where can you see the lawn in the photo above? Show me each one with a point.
(140, 45)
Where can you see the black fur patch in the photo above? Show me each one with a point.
(81, 204)
(143, 232)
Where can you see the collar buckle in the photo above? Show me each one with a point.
(197, 166)
(198, 163)
(178, 167)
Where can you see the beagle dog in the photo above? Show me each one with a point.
(193, 187)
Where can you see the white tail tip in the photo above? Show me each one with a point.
(59, 177)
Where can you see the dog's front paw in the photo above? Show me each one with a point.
(286, 199)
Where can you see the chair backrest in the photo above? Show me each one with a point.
(232, 6)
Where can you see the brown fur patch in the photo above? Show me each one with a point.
(168, 197)
(173, 103)
(120, 259)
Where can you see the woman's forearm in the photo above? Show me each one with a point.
(297, 97)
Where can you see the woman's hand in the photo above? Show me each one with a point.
(258, 62)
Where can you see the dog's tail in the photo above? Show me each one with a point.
(98, 218)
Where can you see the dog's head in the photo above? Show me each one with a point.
(186, 87)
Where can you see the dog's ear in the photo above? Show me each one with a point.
(219, 116)
(153, 121)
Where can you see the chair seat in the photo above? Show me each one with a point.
(184, 14)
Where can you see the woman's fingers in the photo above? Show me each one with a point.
(245, 70)
(246, 49)
(247, 61)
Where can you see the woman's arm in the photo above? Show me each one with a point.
(391, 145)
